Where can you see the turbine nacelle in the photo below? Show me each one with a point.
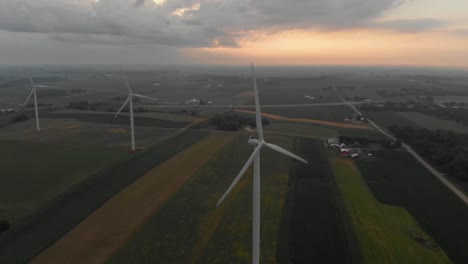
(254, 141)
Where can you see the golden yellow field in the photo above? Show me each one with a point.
(109, 227)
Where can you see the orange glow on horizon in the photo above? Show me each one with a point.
(360, 47)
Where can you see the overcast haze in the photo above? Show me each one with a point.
(302, 32)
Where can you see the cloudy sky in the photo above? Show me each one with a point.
(283, 32)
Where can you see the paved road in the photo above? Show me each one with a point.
(434, 172)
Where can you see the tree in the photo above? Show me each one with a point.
(18, 118)
(4, 225)
(398, 143)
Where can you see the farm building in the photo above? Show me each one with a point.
(335, 146)
(344, 152)
(354, 156)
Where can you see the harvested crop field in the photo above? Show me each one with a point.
(190, 229)
(314, 226)
(396, 178)
(386, 234)
(304, 120)
(33, 235)
(103, 232)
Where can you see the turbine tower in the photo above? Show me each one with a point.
(33, 92)
(255, 159)
(129, 101)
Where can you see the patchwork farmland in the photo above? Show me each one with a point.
(50, 171)
(101, 234)
(395, 178)
(73, 194)
(386, 234)
(315, 227)
(38, 231)
(190, 229)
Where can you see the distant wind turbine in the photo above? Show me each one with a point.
(130, 97)
(255, 158)
(34, 92)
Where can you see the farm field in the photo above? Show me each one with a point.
(305, 120)
(315, 228)
(301, 130)
(389, 118)
(49, 171)
(103, 232)
(386, 234)
(320, 131)
(190, 229)
(156, 115)
(119, 120)
(395, 178)
(432, 122)
(69, 132)
(335, 113)
(30, 237)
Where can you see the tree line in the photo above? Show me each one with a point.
(445, 149)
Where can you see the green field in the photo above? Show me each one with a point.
(432, 122)
(32, 174)
(189, 229)
(156, 115)
(321, 131)
(396, 178)
(301, 130)
(386, 234)
(334, 113)
(415, 120)
(68, 132)
(389, 118)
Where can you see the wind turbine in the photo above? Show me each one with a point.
(255, 159)
(33, 92)
(129, 101)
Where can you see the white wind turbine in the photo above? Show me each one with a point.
(34, 92)
(255, 158)
(129, 100)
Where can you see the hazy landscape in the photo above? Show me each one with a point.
(380, 206)
(233, 132)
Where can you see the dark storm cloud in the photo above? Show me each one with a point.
(202, 22)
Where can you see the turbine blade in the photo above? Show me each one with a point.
(145, 97)
(258, 115)
(123, 106)
(241, 173)
(29, 97)
(285, 152)
(128, 85)
(32, 82)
